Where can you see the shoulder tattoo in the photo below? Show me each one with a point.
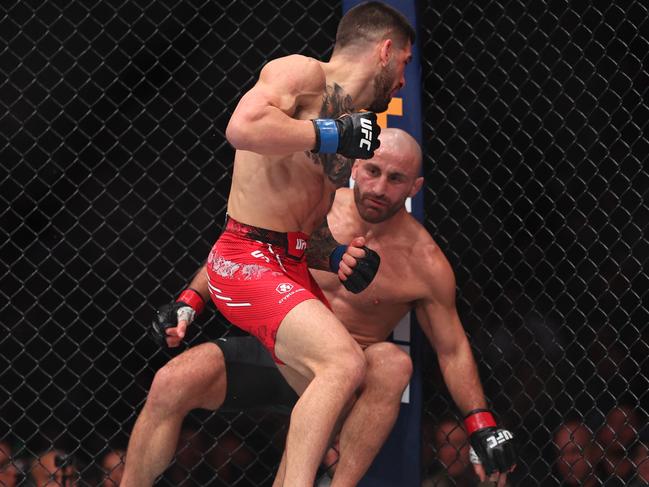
(335, 102)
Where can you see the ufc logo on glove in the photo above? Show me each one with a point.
(366, 130)
(354, 135)
(502, 437)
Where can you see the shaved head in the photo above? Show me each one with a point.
(384, 182)
(397, 144)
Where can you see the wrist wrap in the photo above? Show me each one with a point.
(193, 299)
(326, 135)
(335, 257)
(479, 419)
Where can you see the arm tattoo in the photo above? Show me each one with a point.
(335, 102)
(321, 244)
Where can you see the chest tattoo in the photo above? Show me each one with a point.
(335, 102)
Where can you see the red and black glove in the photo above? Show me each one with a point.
(491, 446)
(188, 305)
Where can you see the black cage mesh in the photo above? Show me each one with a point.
(116, 172)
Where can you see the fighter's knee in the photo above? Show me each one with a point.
(388, 364)
(400, 364)
(168, 391)
(352, 366)
(185, 383)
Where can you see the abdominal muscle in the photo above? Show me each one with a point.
(282, 193)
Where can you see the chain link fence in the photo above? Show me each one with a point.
(116, 173)
(536, 122)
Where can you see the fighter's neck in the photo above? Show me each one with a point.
(358, 82)
(379, 230)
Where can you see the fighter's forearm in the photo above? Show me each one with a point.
(199, 283)
(321, 245)
(461, 376)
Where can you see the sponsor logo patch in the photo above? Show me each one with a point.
(286, 296)
(284, 287)
(258, 254)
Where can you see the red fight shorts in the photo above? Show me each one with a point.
(256, 276)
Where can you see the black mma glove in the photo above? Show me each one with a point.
(188, 305)
(491, 446)
(355, 135)
(364, 271)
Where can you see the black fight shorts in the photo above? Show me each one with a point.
(253, 380)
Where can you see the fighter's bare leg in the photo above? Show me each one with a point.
(331, 455)
(372, 416)
(194, 379)
(371, 419)
(312, 342)
(281, 471)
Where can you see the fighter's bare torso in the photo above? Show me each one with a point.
(371, 316)
(293, 192)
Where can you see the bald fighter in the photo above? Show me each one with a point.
(236, 373)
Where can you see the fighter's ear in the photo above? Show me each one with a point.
(416, 186)
(385, 51)
(355, 167)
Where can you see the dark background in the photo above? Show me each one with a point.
(115, 175)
